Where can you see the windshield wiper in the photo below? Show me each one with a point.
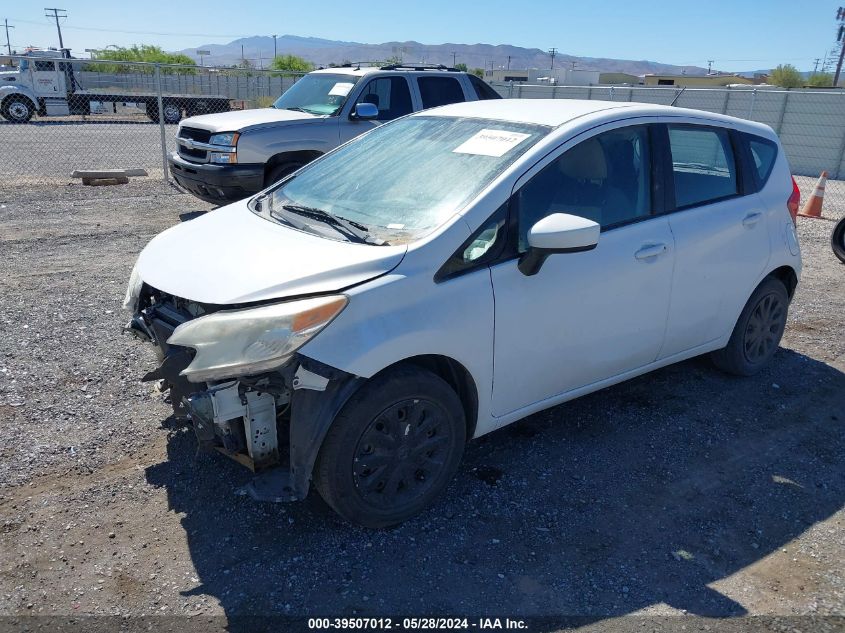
(353, 230)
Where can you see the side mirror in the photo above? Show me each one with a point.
(557, 233)
(364, 111)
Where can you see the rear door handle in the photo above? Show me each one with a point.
(751, 219)
(652, 250)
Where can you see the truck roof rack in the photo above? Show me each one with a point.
(420, 67)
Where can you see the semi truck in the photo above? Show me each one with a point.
(45, 84)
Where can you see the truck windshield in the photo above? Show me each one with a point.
(402, 180)
(319, 93)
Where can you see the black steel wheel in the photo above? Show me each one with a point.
(758, 330)
(837, 240)
(393, 448)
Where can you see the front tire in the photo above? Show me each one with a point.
(837, 240)
(17, 109)
(392, 449)
(278, 172)
(757, 332)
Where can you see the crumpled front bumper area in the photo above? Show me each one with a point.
(273, 423)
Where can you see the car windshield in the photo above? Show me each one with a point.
(404, 179)
(317, 94)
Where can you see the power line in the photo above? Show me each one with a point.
(58, 27)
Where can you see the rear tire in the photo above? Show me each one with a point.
(393, 448)
(757, 332)
(17, 109)
(837, 240)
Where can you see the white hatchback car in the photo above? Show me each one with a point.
(456, 270)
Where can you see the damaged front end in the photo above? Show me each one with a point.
(234, 372)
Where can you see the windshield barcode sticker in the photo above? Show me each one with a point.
(341, 89)
(491, 143)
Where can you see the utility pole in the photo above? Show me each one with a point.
(56, 15)
(840, 37)
(275, 54)
(8, 45)
(553, 52)
(709, 65)
(509, 62)
(816, 64)
(454, 58)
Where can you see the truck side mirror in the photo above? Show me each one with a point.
(364, 112)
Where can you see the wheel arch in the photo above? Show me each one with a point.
(5, 96)
(297, 156)
(788, 276)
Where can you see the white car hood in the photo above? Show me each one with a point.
(231, 255)
(237, 120)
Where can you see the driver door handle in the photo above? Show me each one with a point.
(650, 251)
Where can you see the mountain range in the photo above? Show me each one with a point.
(322, 52)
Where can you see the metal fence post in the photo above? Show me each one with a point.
(727, 101)
(841, 155)
(782, 113)
(161, 122)
(751, 107)
(510, 89)
(611, 93)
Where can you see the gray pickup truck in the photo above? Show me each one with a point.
(229, 156)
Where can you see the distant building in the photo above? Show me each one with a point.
(557, 76)
(695, 81)
(620, 78)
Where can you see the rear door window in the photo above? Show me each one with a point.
(438, 91)
(703, 167)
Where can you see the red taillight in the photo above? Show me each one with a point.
(794, 202)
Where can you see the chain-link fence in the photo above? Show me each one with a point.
(61, 115)
(105, 115)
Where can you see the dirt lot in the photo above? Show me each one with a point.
(681, 492)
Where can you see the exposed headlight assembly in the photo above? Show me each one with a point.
(235, 343)
(133, 291)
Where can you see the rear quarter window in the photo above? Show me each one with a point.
(483, 89)
(763, 154)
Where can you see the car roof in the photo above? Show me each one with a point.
(557, 112)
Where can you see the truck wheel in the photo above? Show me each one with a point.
(392, 449)
(837, 240)
(280, 171)
(17, 109)
(172, 113)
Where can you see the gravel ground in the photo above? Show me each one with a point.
(682, 492)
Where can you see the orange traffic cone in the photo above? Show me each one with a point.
(813, 208)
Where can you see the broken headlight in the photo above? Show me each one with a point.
(234, 343)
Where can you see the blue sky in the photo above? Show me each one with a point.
(737, 34)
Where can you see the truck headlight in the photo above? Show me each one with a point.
(227, 139)
(233, 343)
(133, 291)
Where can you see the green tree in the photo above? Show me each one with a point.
(786, 76)
(291, 63)
(141, 53)
(461, 66)
(821, 80)
(478, 72)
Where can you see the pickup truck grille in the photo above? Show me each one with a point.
(194, 134)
